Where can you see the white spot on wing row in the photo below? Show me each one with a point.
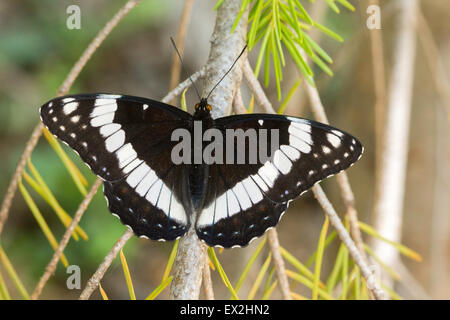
(300, 133)
(299, 144)
(146, 183)
(103, 108)
(126, 154)
(282, 162)
(70, 107)
(333, 140)
(291, 152)
(67, 100)
(241, 197)
(115, 141)
(268, 173)
(109, 129)
(102, 120)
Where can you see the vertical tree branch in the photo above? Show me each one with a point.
(388, 213)
(225, 48)
(188, 267)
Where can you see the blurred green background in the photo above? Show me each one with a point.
(37, 51)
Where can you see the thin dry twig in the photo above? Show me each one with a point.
(342, 178)
(109, 258)
(51, 267)
(278, 261)
(238, 103)
(181, 36)
(63, 89)
(207, 282)
(256, 88)
(183, 85)
(318, 13)
(29, 147)
(93, 46)
(336, 222)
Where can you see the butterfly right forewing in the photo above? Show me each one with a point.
(244, 200)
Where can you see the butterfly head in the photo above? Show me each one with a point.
(203, 106)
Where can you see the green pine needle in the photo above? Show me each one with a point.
(223, 275)
(41, 221)
(4, 261)
(126, 272)
(282, 24)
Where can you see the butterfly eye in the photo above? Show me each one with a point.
(196, 106)
(209, 107)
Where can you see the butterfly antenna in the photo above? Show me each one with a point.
(242, 52)
(182, 65)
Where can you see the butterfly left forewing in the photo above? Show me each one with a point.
(126, 141)
(109, 131)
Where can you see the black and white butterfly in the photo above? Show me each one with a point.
(126, 141)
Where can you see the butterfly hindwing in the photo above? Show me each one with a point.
(252, 197)
(153, 207)
(124, 140)
(235, 210)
